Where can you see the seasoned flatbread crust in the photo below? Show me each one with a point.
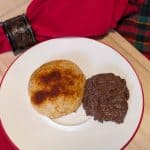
(56, 88)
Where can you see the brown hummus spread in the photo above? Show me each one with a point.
(105, 97)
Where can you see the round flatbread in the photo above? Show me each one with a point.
(56, 88)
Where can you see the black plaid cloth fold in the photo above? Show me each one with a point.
(136, 29)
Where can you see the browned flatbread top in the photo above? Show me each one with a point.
(59, 82)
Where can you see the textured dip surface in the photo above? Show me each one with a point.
(105, 97)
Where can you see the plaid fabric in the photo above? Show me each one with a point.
(136, 29)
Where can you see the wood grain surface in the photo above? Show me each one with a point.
(141, 141)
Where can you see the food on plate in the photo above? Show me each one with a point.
(105, 97)
(56, 88)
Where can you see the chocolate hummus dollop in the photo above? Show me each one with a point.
(105, 97)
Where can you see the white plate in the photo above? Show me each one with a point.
(29, 130)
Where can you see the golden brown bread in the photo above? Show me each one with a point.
(56, 88)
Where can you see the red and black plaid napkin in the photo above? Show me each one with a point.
(136, 29)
